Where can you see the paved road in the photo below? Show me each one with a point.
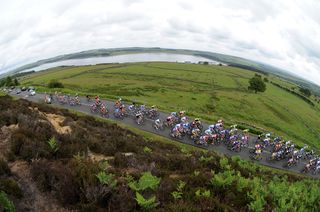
(147, 126)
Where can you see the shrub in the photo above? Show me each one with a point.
(305, 91)
(106, 179)
(11, 187)
(257, 195)
(224, 163)
(120, 160)
(205, 193)
(206, 159)
(104, 165)
(178, 193)
(147, 180)
(257, 204)
(79, 157)
(147, 204)
(55, 84)
(184, 150)
(40, 171)
(122, 199)
(223, 179)
(4, 169)
(5, 202)
(147, 150)
(196, 173)
(178, 162)
(27, 146)
(53, 144)
(72, 182)
(256, 84)
(243, 126)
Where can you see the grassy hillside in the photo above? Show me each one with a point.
(228, 59)
(98, 166)
(210, 92)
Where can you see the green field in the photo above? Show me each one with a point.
(210, 92)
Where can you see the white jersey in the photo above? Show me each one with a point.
(211, 127)
(208, 132)
(218, 125)
(177, 127)
(184, 119)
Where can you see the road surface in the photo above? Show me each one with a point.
(147, 126)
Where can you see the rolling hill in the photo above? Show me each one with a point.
(231, 60)
(207, 91)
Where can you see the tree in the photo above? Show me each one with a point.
(2, 82)
(257, 75)
(16, 82)
(305, 91)
(55, 84)
(256, 84)
(266, 79)
(9, 81)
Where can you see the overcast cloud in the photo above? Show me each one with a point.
(284, 33)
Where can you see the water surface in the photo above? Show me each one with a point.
(127, 58)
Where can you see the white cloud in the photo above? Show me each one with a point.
(282, 33)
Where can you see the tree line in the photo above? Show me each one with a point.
(9, 81)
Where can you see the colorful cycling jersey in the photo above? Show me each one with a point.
(169, 118)
(184, 119)
(174, 114)
(236, 143)
(177, 126)
(195, 131)
(233, 137)
(175, 129)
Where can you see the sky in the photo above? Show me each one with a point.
(282, 33)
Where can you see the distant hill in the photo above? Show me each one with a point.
(230, 60)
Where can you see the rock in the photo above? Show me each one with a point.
(127, 154)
